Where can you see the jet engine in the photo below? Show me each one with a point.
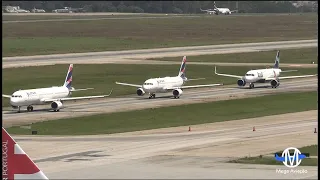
(177, 92)
(241, 82)
(274, 83)
(140, 92)
(56, 105)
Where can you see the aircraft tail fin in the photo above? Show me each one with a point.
(214, 5)
(16, 164)
(68, 79)
(182, 71)
(277, 61)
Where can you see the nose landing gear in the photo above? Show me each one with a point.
(251, 86)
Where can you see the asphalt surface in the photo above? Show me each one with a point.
(171, 153)
(132, 55)
(41, 113)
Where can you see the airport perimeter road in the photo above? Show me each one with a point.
(133, 102)
(121, 56)
(175, 152)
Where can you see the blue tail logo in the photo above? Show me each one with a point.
(68, 81)
(276, 63)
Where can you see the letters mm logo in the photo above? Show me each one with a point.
(291, 157)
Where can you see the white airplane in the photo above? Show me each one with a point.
(54, 95)
(165, 84)
(264, 75)
(217, 11)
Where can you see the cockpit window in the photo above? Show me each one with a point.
(18, 96)
(148, 83)
(249, 74)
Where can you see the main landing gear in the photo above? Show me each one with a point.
(251, 85)
(29, 108)
(152, 96)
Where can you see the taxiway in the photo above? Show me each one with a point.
(133, 102)
(176, 153)
(131, 56)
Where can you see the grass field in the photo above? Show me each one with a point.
(303, 56)
(103, 77)
(175, 116)
(88, 36)
(269, 160)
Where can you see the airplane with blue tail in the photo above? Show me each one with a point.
(268, 75)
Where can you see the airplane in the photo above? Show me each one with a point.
(217, 11)
(54, 95)
(263, 75)
(16, 164)
(165, 84)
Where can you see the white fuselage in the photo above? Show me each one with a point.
(156, 85)
(260, 75)
(34, 96)
(224, 10)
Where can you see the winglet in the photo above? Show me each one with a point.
(6, 96)
(110, 92)
(16, 164)
(215, 69)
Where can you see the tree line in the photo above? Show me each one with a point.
(178, 7)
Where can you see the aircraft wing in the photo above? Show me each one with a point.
(74, 90)
(293, 77)
(194, 86)
(207, 10)
(127, 84)
(227, 75)
(76, 98)
(6, 96)
(289, 71)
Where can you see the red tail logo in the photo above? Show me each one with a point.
(16, 164)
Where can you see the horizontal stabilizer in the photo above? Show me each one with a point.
(74, 90)
(195, 79)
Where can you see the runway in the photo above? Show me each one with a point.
(133, 102)
(175, 152)
(132, 56)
